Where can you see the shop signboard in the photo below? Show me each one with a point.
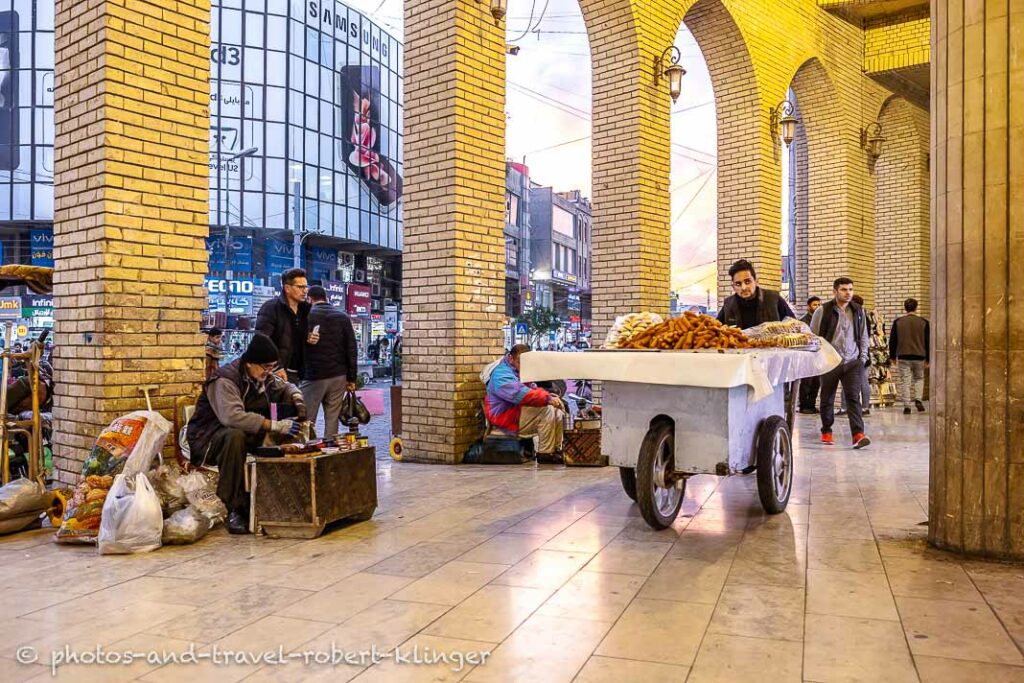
(324, 259)
(261, 295)
(241, 253)
(239, 292)
(10, 308)
(42, 247)
(337, 294)
(280, 256)
(563, 276)
(359, 300)
(528, 299)
(391, 319)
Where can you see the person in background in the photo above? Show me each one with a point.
(285, 320)
(809, 386)
(331, 364)
(214, 350)
(750, 305)
(518, 409)
(909, 344)
(865, 389)
(844, 325)
(232, 417)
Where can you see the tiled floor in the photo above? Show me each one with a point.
(553, 573)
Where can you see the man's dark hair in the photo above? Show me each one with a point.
(215, 332)
(740, 266)
(841, 281)
(291, 275)
(518, 350)
(317, 293)
(910, 305)
(813, 299)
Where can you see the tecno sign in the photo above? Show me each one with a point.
(235, 286)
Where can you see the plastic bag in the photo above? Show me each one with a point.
(165, 482)
(789, 333)
(128, 445)
(132, 521)
(23, 496)
(202, 495)
(185, 526)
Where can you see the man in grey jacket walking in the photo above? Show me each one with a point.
(844, 325)
(909, 341)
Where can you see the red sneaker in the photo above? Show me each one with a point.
(860, 441)
(826, 437)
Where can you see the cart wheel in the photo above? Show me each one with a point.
(659, 501)
(774, 464)
(628, 477)
(395, 448)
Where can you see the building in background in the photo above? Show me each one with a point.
(313, 90)
(517, 239)
(560, 228)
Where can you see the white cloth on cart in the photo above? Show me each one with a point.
(760, 369)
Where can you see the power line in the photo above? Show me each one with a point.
(696, 194)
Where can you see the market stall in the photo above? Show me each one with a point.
(725, 407)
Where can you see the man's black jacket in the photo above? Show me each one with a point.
(288, 330)
(335, 354)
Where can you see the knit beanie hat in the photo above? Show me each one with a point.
(261, 350)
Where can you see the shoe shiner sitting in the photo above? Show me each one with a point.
(232, 418)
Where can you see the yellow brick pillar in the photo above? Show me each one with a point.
(902, 210)
(130, 210)
(630, 157)
(453, 266)
(976, 491)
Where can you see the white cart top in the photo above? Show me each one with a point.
(761, 369)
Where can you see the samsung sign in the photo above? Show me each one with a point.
(338, 20)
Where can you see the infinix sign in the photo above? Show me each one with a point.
(340, 23)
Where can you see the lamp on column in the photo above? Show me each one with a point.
(871, 140)
(498, 9)
(783, 123)
(667, 65)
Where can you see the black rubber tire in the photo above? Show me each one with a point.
(627, 475)
(645, 486)
(770, 500)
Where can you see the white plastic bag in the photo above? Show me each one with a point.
(185, 526)
(149, 443)
(132, 521)
(201, 493)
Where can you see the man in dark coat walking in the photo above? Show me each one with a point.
(331, 363)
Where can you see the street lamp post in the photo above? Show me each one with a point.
(227, 218)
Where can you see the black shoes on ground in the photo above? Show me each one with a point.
(906, 410)
(920, 406)
(238, 523)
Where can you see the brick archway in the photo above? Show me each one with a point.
(902, 209)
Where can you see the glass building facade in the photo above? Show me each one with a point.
(311, 89)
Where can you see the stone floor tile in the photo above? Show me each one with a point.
(726, 659)
(706, 546)
(687, 580)
(490, 614)
(850, 594)
(843, 555)
(345, 598)
(848, 650)
(504, 548)
(658, 631)
(584, 536)
(957, 630)
(789, 572)
(942, 670)
(613, 670)
(13, 672)
(543, 648)
(628, 557)
(452, 583)
(924, 578)
(544, 569)
(593, 596)
(760, 612)
(419, 560)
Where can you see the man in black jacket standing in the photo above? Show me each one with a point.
(844, 325)
(909, 343)
(751, 305)
(285, 321)
(331, 362)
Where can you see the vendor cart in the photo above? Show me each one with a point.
(726, 411)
